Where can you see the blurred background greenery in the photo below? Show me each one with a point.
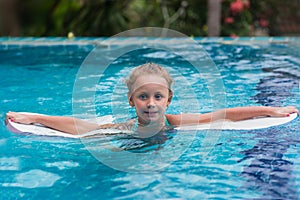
(94, 18)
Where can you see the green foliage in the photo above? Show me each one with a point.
(258, 15)
(236, 18)
(191, 15)
(109, 17)
(84, 17)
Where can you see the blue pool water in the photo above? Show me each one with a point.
(38, 75)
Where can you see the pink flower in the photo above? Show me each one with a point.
(246, 4)
(263, 23)
(233, 35)
(229, 20)
(236, 7)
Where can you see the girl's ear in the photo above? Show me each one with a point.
(170, 96)
(130, 100)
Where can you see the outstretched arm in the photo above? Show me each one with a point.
(232, 114)
(65, 124)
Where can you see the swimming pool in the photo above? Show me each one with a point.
(38, 75)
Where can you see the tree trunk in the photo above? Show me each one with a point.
(9, 24)
(214, 18)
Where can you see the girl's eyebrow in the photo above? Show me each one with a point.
(141, 92)
(146, 91)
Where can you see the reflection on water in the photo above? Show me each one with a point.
(276, 88)
(269, 172)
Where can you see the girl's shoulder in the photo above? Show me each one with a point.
(129, 125)
(174, 119)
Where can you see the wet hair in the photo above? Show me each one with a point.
(148, 69)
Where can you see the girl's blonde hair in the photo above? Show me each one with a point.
(148, 69)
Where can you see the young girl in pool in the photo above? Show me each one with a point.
(150, 93)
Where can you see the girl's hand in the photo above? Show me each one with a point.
(19, 118)
(282, 111)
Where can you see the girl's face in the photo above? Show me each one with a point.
(150, 97)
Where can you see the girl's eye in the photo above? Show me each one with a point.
(158, 96)
(143, 97)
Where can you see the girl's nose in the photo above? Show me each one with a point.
(150, 106)
(151, 103)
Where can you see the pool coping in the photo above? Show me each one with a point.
(100, 41)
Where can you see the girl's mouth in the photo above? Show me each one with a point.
(151, 113)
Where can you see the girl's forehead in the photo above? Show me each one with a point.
(151, 88)
(145, 80)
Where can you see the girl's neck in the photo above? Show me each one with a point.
(141, 126)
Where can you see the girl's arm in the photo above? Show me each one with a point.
(232, 114)
(65, 124)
